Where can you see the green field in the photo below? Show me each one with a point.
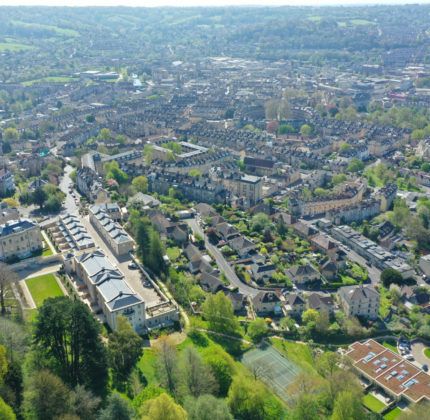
(56, 29)
(361, 22)
(427, 352)
(393, 414)
(43, 287)
(298, 353)
(373, 404)
(50, 79)
(14, 47)
(47, 252)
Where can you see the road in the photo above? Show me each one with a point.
(222, 263)
(69, 204)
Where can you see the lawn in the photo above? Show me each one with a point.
(47, 252)
(393, 414)
(147, 365)
(43, 287)
(14, 47)
(373, 404)
(58, 30)
(298, 353)
(362, 22)
(390, 344)
(50, 79)
(427, 352)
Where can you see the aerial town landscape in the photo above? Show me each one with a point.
(215, 213)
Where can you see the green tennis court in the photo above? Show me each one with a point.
(272, 368)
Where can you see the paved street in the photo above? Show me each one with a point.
(69, 204)
(223, 265)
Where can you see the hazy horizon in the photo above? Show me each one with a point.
(204, 3)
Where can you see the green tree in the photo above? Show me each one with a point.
(117, 408)
(196, 377)
(305, 130)
(140, 183)
(207, 407)
(105, 134)
(162, 408)
(257, 329)
(6, 147)
(10, 134)
(401, 213)
(113, 171)
(6, 412)
(83, 403)
(348, 406)
(46, 397)
(222, 366)
(391, 276)
(155, 260)
(260, 222)
(39, 197)
(249, 400)
(124, 348)
(218, 311)
(67, 334)
(307, 407)
(355, 165)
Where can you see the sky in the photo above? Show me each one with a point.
(186, 3)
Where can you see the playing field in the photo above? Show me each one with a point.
(43, 287)
(273, 369)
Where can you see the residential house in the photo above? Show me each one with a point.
(295, 305)
(210, 282)
(237, 299)
(303, 274)
(360, 301)
(262, 271)
(242, 246)
(321, 303)
(266, 303)
(329, 270)
(7, 183)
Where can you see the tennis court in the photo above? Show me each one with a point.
(272, 368)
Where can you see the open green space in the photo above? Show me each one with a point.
(427, 352)
(299, 353)
(361, 22)
(390, 344)
(43, 287)
(373, 404)
(14, 47)
(393, 414)
(47, 252)
(59, 31)
(50, 79)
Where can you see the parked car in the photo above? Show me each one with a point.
(132, 266)
(409, 357)
(425, 368)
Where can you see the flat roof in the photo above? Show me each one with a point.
(390, 370)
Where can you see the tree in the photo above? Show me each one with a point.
(10, 134)
(222, 366)
(401, 213)
(348, 406)
(355, 165)
(167, 366)
(260, 222)
(249, 400)
(6, 147)
(391, 276)
(155, 260)
(310, 318)
(140, 183)
(305, 130)
(218, 311)
(196, 377)
(207, 407)
(83, 403)
(117, 408)
(7, 277)
(258, 329)
(11, 202)
(417, 412)
(113, 171)
(39, 197)
(46, 397)
(105, 134)
(6, 412)
(162, 408)
(307, 407)
(124, 348)
(67, 333)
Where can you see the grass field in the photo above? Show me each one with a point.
(43, 287)
(14, 47)
(393, 414)
(298, 353)
(50, 79)
(47, 252)
(361, 22)
(373, 404)
(272, 368)
(56, 29)
(427, 352)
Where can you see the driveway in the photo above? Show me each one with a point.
(222, 263)
(417, 350)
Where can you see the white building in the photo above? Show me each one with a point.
(360, 301)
